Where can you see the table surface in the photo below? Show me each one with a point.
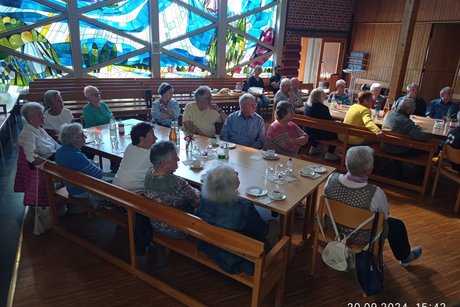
(248, 162)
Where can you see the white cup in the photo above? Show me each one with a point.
(270, 153)
(278, 194)
(213, 141)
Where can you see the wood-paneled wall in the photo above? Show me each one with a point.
(376, 28)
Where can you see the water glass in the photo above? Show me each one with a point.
(114, 141)
(97, 138)
(269, 173)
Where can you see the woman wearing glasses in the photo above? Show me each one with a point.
(95, 112)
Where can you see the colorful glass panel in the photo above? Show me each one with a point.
(17, 13)
(136, 67)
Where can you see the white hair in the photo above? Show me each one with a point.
(218, 185)
(340, 82)
(359, 160)
(375, 85)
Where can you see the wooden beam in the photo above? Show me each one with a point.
(402, 51)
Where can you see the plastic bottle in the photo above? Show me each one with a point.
(290, 167)
(386, 108)
(113, 125)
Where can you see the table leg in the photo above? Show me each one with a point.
(309, 220)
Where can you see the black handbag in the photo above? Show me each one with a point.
(370, 268)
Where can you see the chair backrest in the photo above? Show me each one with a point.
(451, 154)
(350, 216)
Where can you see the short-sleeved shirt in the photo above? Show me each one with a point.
(133, 168)
(36, 141)
(54, 122)
(204, 120)
(93, 116)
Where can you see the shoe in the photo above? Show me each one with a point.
(415, 253)
(314, 151)
(331, 156)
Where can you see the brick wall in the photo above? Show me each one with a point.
(317, 16)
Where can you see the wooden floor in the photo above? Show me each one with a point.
(54, 272)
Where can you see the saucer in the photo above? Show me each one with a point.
(282, 197)
(230, 145)
(317, 168)
(310, 174)
(196, 167)
(274, 157)
(256, 191)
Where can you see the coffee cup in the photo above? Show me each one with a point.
(277, 194)
(196, 163)
(270, 153)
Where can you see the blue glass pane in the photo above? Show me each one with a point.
(240, 7)
(24, 12)
(62, 3)
(83, 3)
(175, 68)
(99, 45)
(184, 21)
(130, 16)
(135, 67)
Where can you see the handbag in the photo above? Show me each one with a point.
(337, 254)
(370, 268)
(42, 221)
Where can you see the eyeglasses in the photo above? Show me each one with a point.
(96, 94)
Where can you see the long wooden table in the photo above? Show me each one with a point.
(427, 125)
(248, 162)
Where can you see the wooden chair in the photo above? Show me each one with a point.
(448, 154)
(348, 216)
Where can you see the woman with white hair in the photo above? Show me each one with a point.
(398, 120)
(70, 155)
(37, 144)
(314, 107)
(221, 206)
(339, 95)
(354, 190)
(163, 186)
(55, 115)
(95, 112)
(165, 109)
(378, 101)
(256, 81)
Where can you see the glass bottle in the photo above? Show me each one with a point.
(386, 108)
(173, 132)
(121, 128)
(289, 167)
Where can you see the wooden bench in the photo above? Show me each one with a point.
(425, 160)
(269, 268)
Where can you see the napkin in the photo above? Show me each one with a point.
(256, 157)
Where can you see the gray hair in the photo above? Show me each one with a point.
(445, 90)
(315, 97)
(375, 85)
(359, 160)
(31, 108)
(340, 82)
(245, 99)
(201, 91)
(285, 81)
(283, 108)
(69, 133)
(407, 105)
(458, 117)
(218, 185)
(49, 97)
(161, 152)
(87, 91)
(257, 67)
(411, 85)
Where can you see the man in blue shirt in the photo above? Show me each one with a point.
(412, 92)
(444, 106)
(244, 127)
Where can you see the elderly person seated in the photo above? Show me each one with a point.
(55, 115)
(398, 120)
(412, 92)
(443, 107)
(296, 94)
(453, 139)
(201, 116)
(245, 127)
(163, 186)
(354, 190)
(165, 109)
(136, 159)
(359, 114)
(95, 112)
(339, 95)
(275, 80)
(221, 206)
(256, 81)
(36, 143)
(283, 135)
(378, 101)
(314, 107)
(70, 155)
(284, 92)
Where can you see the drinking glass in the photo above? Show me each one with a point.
(114, 141)
(97, 138)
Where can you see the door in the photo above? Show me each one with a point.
(441, 60)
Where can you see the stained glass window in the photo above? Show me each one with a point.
(116, 39)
